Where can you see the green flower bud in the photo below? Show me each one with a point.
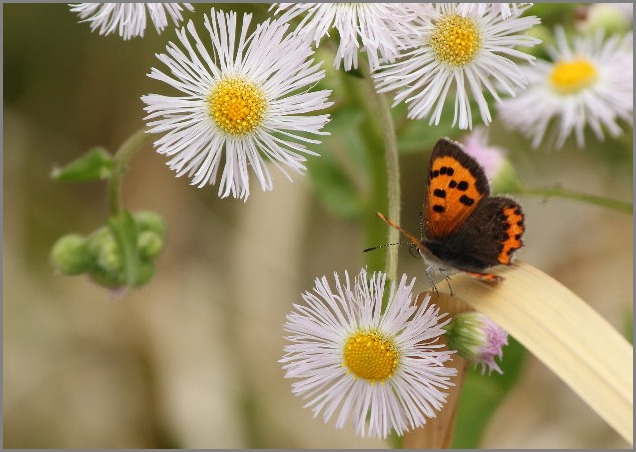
(107, 278)
(150, 244)
(477, 339)
(95, 239)
(108, 255)
(150, 221)
(145, 274)
(101, 256)
(70, 255)
(110, 272)
(107, 262)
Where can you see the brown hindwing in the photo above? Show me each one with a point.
(488, 237)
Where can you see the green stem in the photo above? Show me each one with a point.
(381, 145)
(392, 172)
(123, 155)
(559, 192)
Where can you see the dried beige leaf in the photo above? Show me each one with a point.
(561, 330)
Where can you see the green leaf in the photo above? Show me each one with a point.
(124, 230)
(96, 164)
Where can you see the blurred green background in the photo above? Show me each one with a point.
(190, 360)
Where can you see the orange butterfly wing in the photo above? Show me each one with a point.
(455, 185)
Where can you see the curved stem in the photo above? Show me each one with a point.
(559, 192)
(381, 141)
(123, 155)
(392, 174)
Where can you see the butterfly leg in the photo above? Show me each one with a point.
(450, 288)
(430, 279)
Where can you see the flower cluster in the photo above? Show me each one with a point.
(421, 53)
(249, 96)
(103, 257)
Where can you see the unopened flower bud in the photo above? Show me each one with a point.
(109, 279)
(145, 274)
(477, 339)
(108, 270)
(150, 221)
(150, 244)
(95, 239)
(70, 255)
(109, 256)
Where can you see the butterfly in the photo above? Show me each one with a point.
(463, 227)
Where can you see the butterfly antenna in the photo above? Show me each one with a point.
(422, 225)
(385, 245)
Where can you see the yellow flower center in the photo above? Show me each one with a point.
(370, 355)
(569, 77)
(456, 40)
(237, 106)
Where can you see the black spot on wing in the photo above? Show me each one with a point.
(467, 201)
(439, 193)
(447, 147)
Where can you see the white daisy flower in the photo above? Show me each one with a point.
(382, 369)
(246, 102)
(372, 27)
(505, 9)
(587, 84)
(468, 52)
(128, 19)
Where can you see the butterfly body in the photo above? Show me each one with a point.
(463, 227)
